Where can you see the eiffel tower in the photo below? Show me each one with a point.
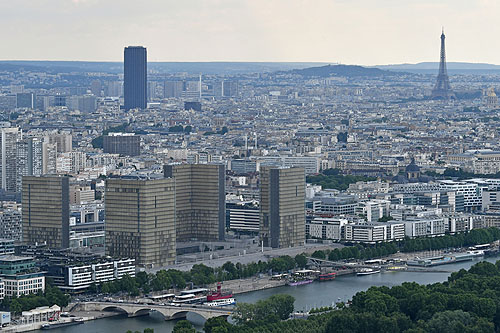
(442, 89)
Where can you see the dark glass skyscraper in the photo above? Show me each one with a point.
(135, 77)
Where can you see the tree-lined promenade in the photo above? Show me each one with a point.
(202, 275)
(468, 302)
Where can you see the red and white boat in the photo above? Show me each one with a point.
(219, 294)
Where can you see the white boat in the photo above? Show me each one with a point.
(221, 302)
(368, 271)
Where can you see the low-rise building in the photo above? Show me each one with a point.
(373, 210)
(78, 277)
(366, 232)
(425, 227)
(326, 228)
(20, 276)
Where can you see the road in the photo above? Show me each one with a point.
(248, 257)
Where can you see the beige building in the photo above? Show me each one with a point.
(200, 201)
(80, 194)
(282, 207)
(140, 220)
(45, 213)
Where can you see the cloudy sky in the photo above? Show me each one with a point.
(364, 32)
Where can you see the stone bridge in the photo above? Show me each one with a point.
(167, 311)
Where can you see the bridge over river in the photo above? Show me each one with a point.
(336, 264)
(170, 312)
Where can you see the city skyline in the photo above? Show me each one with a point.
(360, 32)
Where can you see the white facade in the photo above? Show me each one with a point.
(374, 209)
(244, 219)
(395, 231)
(471, 192)
(79, 276)
(367, 233)
(124, 267)
(16, 286)
(490, 197)
(428, 227)
(326, 228)
(103, 272)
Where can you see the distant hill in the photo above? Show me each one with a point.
(342, 70)
(453, 68)
(161, 67)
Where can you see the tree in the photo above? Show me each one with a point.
(243, 313)
(281, 305)
(93, 288)
(301, 260)
(183, 326)
(217, 325)
(449, 322)
(318, 254)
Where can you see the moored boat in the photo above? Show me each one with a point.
(221, 302)
(219, 294)
(368, 271)
(326, 277)
(299, 282)
(51, 326)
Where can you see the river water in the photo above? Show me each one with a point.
(312, 295)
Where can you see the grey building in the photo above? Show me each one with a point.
(29, 159)
(45, 201)
(243, 166)
(173, 89)
(10, 224)
(282, 207)
(8, 157)
(140, 220)
(135, 77)
(26, 100)
(127, 144)
(200, 201)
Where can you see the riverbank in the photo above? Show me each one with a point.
(309, 296)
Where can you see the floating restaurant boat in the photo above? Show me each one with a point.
(326, 277)
(367, 271)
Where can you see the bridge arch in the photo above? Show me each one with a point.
(142, 312)
(115, 308)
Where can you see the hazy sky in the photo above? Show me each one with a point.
(348, 31)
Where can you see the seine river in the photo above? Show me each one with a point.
(312, 295)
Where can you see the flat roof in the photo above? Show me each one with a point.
(193, 291)
(14, 258)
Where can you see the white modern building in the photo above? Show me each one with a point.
(326, 228)
(425, 227)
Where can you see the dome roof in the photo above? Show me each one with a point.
(412, 167)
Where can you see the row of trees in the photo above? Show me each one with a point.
(51, 296)
(199, 275)
(332, 179)
(461, 174)
(180, 129)
(222, 131)
(468, 302)
(364, 251)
